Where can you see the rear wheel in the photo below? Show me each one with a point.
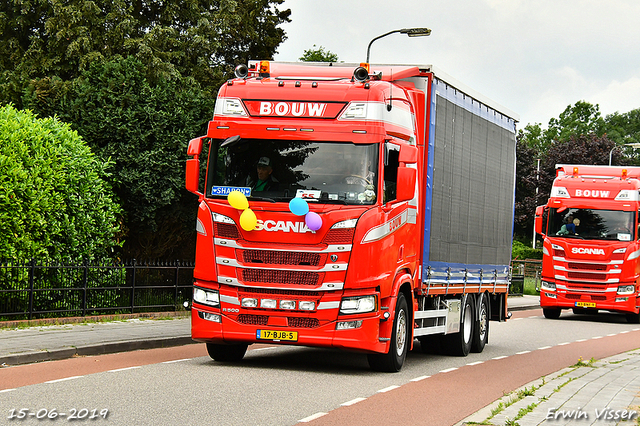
(393, 360)
(551, 313)
(481, 328)
(227, 353)
(460, 343)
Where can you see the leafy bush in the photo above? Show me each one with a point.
(55, 203)
(519, 251)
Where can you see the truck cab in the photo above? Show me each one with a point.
(591, 241)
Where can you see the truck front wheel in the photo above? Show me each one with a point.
(633, 318)
(227, 353)
(460, 343)
(551, 313)
(393, 360)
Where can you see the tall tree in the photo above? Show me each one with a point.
(318, 54)
(142, 129)
(203, 39)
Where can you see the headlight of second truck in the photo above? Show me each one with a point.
(358, 305)
(206, 297)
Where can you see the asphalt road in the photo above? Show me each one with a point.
(276, 385)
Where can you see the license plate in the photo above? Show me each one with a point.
(585, 304)
(289, 336)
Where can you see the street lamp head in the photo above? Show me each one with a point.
(411, 32)
(416, 32)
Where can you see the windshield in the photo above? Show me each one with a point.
(592, 224)
(278, 170)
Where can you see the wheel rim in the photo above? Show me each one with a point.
(467, 323)
(401, 332)
(483, 322)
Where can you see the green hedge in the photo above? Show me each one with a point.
(55, 202)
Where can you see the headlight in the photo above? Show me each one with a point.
(546, 285)
(626, 289)
(206, 297)
(358, 305)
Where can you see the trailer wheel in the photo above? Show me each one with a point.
(227, 353)
(481, 328)
(393, 360)
(459, 343)
(551, 313)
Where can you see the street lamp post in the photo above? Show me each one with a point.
(633, 145)
(410, 32)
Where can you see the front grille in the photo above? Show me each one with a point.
(573, 296)
(558, 253)
(253, 319)
(303, 322)
(587, 266)
(279, 257)
(226, 230)
(600, 298)
(586, 276)
(280, 277)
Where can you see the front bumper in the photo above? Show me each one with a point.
(608, 300)
(365, 338)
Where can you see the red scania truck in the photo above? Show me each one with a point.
(591, 249)
(351, 206)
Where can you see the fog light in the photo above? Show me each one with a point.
(209, 316)
(621, 299)
(268, 303)
(550, 295)
(249, 302)
(348, 325)
(287, 304)
(306, 305)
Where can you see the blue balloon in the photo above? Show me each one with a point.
(298, 206)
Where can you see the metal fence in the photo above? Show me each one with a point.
(30, 290)
(528, 271)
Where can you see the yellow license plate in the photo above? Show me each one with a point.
(289, 336)
(585, 304)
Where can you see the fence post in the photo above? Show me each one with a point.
(32, 272)
(175, 284)
(133, 286)
(84, 287)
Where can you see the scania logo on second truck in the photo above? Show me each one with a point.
(583, 250)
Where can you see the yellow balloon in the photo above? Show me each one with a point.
(248, 220)
(238, 200)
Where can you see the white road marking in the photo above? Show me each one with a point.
(312, 417)
(353, 401)
(122, 369)
(62, 380)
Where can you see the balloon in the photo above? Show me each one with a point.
(313, 221)
(248, 220)
(298, 206)
(238, 200)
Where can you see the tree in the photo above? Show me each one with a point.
(142, 129)
(579, 149)
(55, 202)
(203, 39)
(318, 54)
(526, 184)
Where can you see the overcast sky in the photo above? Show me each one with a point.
(533, 57)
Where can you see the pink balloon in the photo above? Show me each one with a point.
(313, 221)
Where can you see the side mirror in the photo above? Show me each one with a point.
(538, 220)
(406, 186)
(193, 175)
(192, 179)
(408, 154)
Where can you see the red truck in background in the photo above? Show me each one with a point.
(591, 249)
(351, 206)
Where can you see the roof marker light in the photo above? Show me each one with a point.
(575, 172)
(624, 173)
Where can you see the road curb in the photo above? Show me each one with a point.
(99, 349)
